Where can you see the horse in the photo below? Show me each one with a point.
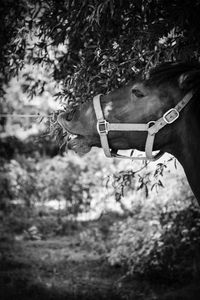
(159, 110)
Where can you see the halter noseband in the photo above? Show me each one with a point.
(152, 127)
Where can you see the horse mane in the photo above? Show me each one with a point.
(185, 75)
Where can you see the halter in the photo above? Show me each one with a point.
(152, 127)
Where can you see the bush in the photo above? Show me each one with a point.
(19, 180)
(165, 245)
(66, 179)
(33, 146)
(92, 239)
(28, 185)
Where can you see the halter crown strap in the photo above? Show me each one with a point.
(152, 127)
(171, 115)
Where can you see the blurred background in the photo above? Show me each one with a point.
(89, 227)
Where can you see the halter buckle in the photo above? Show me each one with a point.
(102, 127)
(171, 115)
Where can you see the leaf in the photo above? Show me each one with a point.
(160, 183)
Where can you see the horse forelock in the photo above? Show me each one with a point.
(185, 76)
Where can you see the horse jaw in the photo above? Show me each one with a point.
(121, 106)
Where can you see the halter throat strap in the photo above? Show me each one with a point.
(152, 127)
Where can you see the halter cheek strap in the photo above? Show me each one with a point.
(152, 127)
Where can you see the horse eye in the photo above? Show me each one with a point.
(137, 93)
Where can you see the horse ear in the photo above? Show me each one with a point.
(189, 80)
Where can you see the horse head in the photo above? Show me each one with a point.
(141, 101)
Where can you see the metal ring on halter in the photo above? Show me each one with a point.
(151, 123)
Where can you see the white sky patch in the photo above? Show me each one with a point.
(107, 109)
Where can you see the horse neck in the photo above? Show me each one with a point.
(187, 149)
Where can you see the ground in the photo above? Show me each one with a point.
(61, 268)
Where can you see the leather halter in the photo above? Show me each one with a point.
(152, 127)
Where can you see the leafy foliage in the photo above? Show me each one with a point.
(90, 47)
(144, 178)
(67, 179)
(159, 236)
(158, 241)
(95, 46)
(18, 181)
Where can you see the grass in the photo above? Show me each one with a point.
(61, 268)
